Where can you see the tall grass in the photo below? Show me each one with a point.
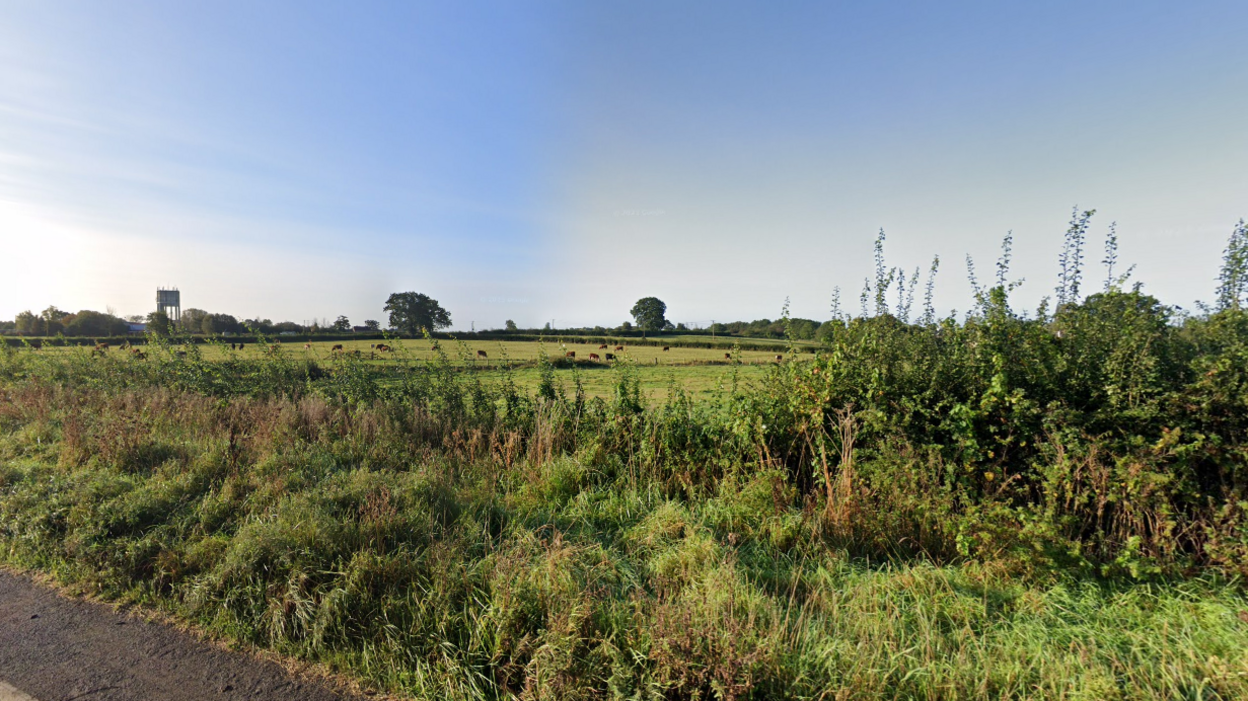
(1008, 506)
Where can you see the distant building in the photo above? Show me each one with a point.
(169, 302)
(133, 327)
(360, 329)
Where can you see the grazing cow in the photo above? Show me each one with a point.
(232, 346)
(779, 358)
(727, 356)
(101, 346)
(308, 346)
(481, 354)
(665, 348)
(336, 348)
(602, 347)
(240, 345)
(382, 347)
(619, 348)
(610, 356)
(594, 356)
(570, 354)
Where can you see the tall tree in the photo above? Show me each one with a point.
(649, 312)
(410, 312)
(192, 320)
(53, 321)
(91, 323)
(27, 323)
(342, 323)
(158, 323)
(220, 323)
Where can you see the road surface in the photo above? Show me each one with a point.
(53, 648)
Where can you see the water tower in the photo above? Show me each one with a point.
(169, 302)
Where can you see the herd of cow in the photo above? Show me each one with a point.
(100, 348)
(595, 356)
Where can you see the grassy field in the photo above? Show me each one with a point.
(499, 353)
(700, 371)
(1005, 508)
(438, 562)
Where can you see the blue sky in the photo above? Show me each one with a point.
(560, 160)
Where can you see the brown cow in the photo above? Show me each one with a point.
(101, 346)
(779, 358)
(570, 354)
(481, 354)
(337, 347)
(727, 356)
(382, 347)
(308, 346)
(594, 356)
(666, 348)
(619, 348)
(602, 347)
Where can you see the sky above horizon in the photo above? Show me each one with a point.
(559, 160)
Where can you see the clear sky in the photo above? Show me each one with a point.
(559, 160)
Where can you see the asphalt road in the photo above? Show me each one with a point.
(53, 648)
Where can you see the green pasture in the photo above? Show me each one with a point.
(699, 371)
(501, 353)
(657, 381)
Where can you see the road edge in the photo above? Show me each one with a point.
(315, 672)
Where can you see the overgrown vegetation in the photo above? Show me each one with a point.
(1051, 505)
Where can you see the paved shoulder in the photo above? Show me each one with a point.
(56, 649)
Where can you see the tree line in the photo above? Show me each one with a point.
(413, 313)
(409, 313)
